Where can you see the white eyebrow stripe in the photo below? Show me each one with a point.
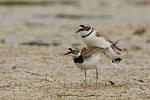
(80, 27)
(68, 50)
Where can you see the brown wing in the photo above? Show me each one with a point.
(90, 51)
(98, 34)
(114, 46)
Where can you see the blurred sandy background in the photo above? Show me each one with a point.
(34, 34)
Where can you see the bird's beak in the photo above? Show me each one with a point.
(67, 53)
(79, 29)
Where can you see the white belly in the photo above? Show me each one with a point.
(90, 63)
(96, 42)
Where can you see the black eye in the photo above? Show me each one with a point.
(81, 26)
(70, 49)
(88, 28)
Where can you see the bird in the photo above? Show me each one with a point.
(86, 58)
(93, 38)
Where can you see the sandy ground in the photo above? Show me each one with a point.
(34, 38)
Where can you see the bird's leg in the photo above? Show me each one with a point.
(85, 75)
(96, 74)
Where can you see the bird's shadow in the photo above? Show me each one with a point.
(90, 85)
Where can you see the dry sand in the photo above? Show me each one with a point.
(34, 38)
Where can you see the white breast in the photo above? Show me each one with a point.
(94, 41)
(90, 63)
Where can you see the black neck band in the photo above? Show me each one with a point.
(87, 34)
(79, 60)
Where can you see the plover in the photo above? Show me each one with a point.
(93, 38)
(86, 58)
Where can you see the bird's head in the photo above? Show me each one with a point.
(74, 52)
(84, 29)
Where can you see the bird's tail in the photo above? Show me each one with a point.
(110, 52)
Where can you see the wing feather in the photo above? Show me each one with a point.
(90, 51)
(114, 46)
